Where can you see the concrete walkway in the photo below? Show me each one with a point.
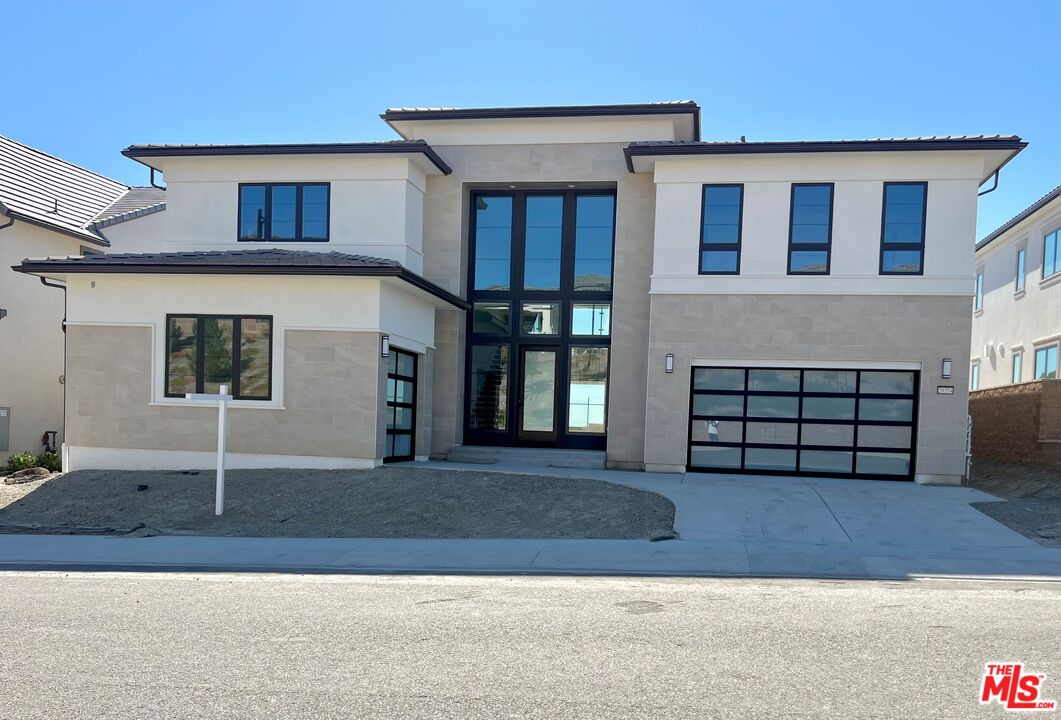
(728, 525)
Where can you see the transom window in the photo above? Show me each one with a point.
(1051, 254)
(204, 352)
(810, 229)
(720, 229)
(290, 212)
(1046, 362)
(902, 249)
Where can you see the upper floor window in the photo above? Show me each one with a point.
(979, 290)
(204, 352)
(1051, 254)
(1019, 284)
(902, 243)
(974, 375)
(1046, 362)
(720, 229)
(290, 212)
(810, 229)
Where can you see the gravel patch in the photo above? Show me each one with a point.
(388, 502)
(1030, 499)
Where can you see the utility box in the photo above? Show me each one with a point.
(5, 428)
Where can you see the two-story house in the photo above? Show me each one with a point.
(556, 282)
(49, 206)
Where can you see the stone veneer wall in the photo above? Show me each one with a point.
(334, 392)
(1018, 423)
(849, 328)
(446, 216)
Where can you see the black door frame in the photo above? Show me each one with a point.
(391, 404)
(525, 436)
(515, 340)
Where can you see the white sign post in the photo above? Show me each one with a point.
(221, 399)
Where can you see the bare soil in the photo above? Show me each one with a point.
(392, 502)
(1030, 498)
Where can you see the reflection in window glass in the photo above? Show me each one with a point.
(718, 378)
(773, 406)
(773, 380)
(588, 390)
(874, 463)
(772, 433)
(1021, 253)
(1017, 358)
(974, 376)
(769, 459)
(885, 409)
(591, 319)
(544, 232)
(829, 381)
(884, 436)
(887, 383)
(315, 212)
(1046, 362)
(903, 228)
(217, 354)
(181, 343)
(493, 242)
(818, 434)
(1051, 254)
(831, 461)
(282, 217)
(541, 319)
(721, 229)
(252, 212)
(718, 405)
(827, 408)
(718, 431)
(255, 344)
(715, 457)
(810, 231)
(489, 401)
(594, 234)
(490, 318)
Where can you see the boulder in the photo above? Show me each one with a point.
(27, 475)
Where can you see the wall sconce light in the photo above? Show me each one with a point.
(945, 372)
(669, 365)
(384, 345)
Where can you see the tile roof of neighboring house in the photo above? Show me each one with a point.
(272, 261)
(136, 201)
(44, 190)
(382, 147)
(933, 142)
(1022, 215)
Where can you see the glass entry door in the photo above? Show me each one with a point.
(538, 393)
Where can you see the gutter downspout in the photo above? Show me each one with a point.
(153, 183)
(62, 446)
(994, 187)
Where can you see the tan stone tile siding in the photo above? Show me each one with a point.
(1018, 423)
(334, 392)
(847, 328)
(446, 217)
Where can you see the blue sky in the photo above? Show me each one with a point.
(83, 80)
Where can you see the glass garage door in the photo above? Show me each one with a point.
(784, 421)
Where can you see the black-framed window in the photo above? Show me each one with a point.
(902, 238)
(401, 406)
(721, 215)
(284, 212)
(810, 229)
(803, 421)
(204, 352)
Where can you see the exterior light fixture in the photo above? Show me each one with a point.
(384, 345)
(945, 372)
(669, 365)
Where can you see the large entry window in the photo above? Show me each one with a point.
(401, 406)
(785, 421)
(539, 330)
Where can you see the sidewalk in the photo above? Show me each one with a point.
(728, 526)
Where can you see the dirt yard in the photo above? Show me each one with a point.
(1032, 499)
(392, 502)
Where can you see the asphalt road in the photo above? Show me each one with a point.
(253, 646)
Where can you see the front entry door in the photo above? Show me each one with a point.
(539, 369)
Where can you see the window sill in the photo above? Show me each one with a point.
(250, 404)
(1050, 281)
(1018, 294)
(978, 313)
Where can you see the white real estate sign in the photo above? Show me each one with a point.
(221, 399)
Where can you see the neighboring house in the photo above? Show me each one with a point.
(48, 207)
(1017, 306)
(554, 281)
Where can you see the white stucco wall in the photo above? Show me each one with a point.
(295, 303)
(143, 234)
(858, 180)
(376, 204)
(1012, 321)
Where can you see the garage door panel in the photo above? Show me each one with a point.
(843, 422)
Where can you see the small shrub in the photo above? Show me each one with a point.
(21, 461)
(50, 461)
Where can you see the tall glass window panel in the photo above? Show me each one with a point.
(1046, 362)
(181, 356)
(594, 235)
(1019, 283)
(283, 212)
(1051, 260)
(489, 402)
(587, 390)
(810, 232)
(903, 228)
(1017, 361)
(539, 391)
(974, 376)
(887, 382)
(493, 242)
(540, 319)
(490, 318)
(979, 302)
(544, 237)
(720, 232)
(315, 212)
(255, 344)
(217, 353)
(252, 212)
(591, 319)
